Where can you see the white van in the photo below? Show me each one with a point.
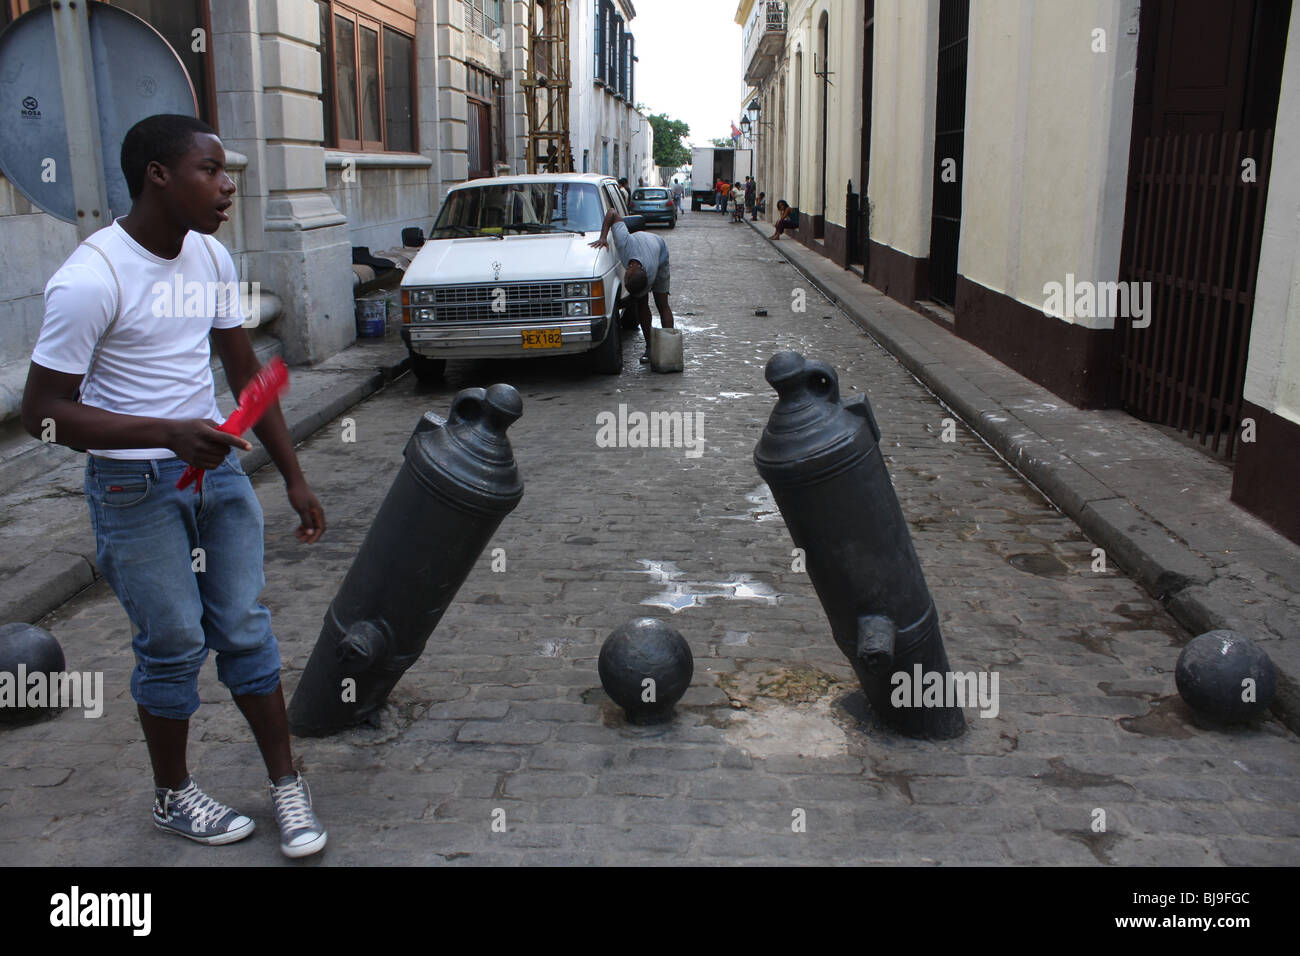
(508, 272)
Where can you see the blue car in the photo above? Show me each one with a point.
(655, 204)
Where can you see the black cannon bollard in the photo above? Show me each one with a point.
(26, 650)
(822, 460)
(458, 483)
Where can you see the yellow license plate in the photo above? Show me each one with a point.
(542, 338)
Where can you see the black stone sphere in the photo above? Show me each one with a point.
(35, 649)
(646, 649)
(1211, 672)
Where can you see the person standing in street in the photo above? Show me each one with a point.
(645, 258)
(115, 370)
(749, 195)
(724, 193)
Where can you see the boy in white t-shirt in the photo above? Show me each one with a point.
(121, 367)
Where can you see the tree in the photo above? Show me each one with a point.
(721, 143)
(669, 150)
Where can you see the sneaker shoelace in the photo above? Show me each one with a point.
(195, 803)
(293, 805)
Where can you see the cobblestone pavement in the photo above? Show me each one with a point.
(504, 710)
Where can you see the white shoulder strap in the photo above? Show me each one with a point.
(212, 254)
(117, 311)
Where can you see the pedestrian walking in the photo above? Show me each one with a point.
(750, 187)
(116, 371)
(678, 192)
(645, 258)
(787, 219)
(627, 193)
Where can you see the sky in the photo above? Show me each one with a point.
(688, 63)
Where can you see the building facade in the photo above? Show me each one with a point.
(610, 135)
(1086, 191)
(344, 121)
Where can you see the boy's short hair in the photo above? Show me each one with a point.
(637, 282)
(164, 138)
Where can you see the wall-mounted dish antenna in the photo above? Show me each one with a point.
(74, 77)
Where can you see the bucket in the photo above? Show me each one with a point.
(371, 315)
(666, 350)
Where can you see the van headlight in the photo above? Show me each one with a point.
(421, 296)
(577, 290)
(423, 315)
(582, 307)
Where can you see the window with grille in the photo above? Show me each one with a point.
(483, 16)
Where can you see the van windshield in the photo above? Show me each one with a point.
(506, 208)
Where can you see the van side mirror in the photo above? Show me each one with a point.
(634, 223)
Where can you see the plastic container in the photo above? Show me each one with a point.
(666, 350)
(372, 313)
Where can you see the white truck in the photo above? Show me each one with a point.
(709, 164)
(509, 272)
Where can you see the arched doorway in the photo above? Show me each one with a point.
(796, 165)
(949, 149)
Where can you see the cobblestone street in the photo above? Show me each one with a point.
(505, 710)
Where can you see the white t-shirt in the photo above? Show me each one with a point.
(156, 361)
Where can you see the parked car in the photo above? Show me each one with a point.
(508, 272)
(654, 204)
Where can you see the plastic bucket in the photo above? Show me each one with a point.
(372, 312)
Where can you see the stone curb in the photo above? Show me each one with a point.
(57, 577)
(1169, 571)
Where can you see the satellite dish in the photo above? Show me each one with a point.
(136, 74)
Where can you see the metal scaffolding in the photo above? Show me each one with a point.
(546, 87)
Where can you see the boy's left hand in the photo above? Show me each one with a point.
(310, 512)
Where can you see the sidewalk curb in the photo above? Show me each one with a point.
(57, 577)
(1143, 548)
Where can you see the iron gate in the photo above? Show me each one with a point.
(1200, 221)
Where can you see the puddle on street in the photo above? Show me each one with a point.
(678, 594)
(764, 507)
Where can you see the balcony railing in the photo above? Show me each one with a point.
(764, 38)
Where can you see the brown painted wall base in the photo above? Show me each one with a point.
(902, 277)
(837, 244)
(1266, 478)
(1069, 360)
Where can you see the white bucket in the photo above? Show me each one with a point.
(666, 350)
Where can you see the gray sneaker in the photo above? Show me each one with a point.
(301, 834)
(191, 813)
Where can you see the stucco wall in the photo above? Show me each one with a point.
(1273, 368)
(1047, 144)
(902, 139)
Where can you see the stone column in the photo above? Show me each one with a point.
(453, 111)
(268, 69)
